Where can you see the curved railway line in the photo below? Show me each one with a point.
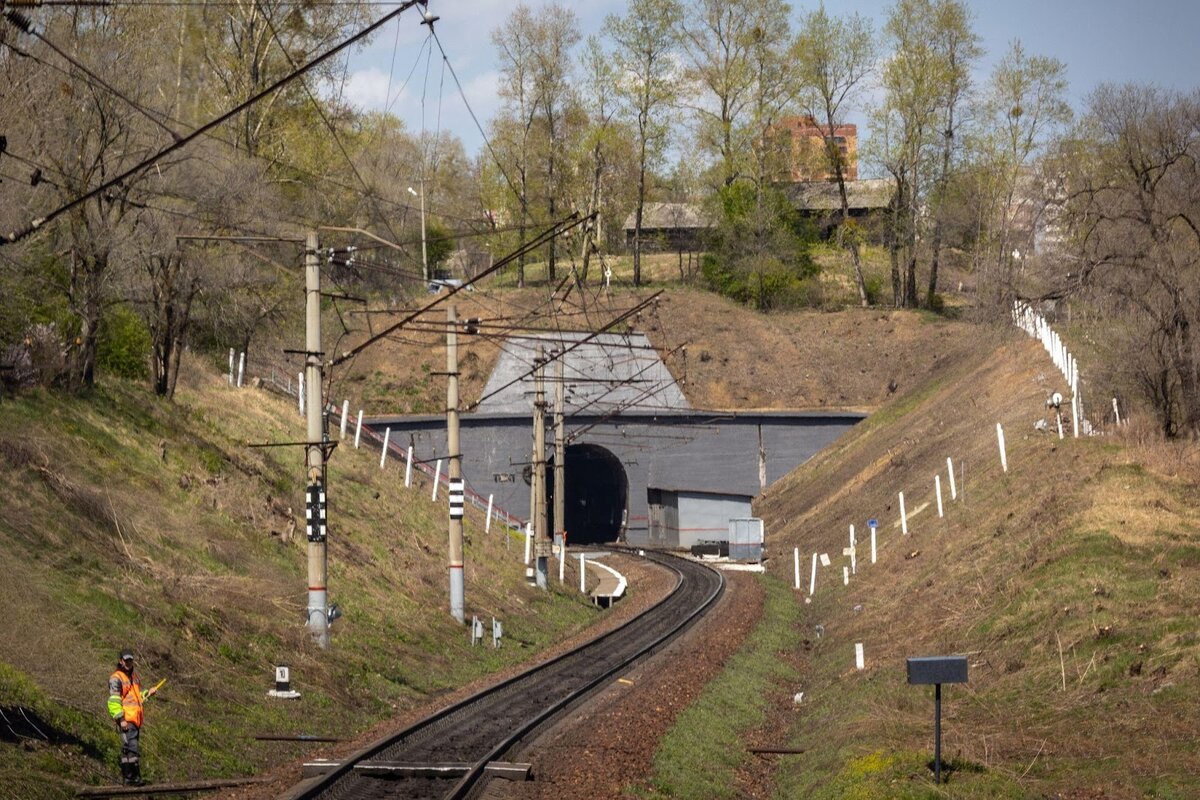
(461, 740)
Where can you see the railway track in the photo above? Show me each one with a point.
(447, 754)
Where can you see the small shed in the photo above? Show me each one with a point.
(670, 227)
(821, 201)
(681, 519)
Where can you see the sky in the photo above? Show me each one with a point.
(1100, 41)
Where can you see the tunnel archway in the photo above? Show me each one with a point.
(597, 493)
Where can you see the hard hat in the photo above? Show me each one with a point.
(127, 655)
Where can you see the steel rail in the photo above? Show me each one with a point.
(422, 733)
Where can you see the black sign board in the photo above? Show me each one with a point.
(937, 669)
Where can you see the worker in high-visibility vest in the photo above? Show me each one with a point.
(125, 700)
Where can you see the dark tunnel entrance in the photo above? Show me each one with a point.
(596, 495)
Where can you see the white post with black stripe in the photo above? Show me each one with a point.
(283, 684)
(454, 468)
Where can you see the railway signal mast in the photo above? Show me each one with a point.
(454, 472)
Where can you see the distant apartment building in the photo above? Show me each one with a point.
(800, 145)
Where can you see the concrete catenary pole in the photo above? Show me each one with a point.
(318, 598)
(540, 534)
(560, 455)
(454, 471)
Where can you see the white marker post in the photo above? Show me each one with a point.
(387, 434)
(1003, 452)
(437, 476)
(241, 368)
(231, 355)
(845, 576)
(953, 485)
(345, 414)
(562, 561)
(1075, 415)
(299, 390)
(1116, 411)
(582, 574)
(487, 525)
(529, 538)
(358, 429)
(872, 544)
(825, 562)
(860, 660)
(812, 581)
(853, 540)
(1058, 419)
(903, 516)
(796, 565)
(408, 468)
(937, 488)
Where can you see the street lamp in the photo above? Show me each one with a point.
(424, 252)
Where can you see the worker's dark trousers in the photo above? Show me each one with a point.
(130, 753)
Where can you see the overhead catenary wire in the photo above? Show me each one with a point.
(211, 124)
(558, 228)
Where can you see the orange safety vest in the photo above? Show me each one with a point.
(131, 696)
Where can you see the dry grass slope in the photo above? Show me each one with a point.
(132, 522)
(1069, 582)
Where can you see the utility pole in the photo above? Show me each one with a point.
(318, 599)
(424, 251)
(540, 543)
(560, 457)
(454, 473)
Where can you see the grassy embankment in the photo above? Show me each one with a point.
(136, 523)
(1069, 582)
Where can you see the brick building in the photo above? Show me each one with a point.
(801, 146)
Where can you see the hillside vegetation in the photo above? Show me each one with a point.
(1069, 582)
(131, 522)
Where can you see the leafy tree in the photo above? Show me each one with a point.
(1026, 104)
(835, 57)
(758, 255)
(648, 86)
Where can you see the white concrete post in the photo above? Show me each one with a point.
(528, 539)
(345, 413)
(872, 545)
(241, 368)
(812, 580)
(953, 485)
(231, 355)
(437, 476)
(562, 562)
(937, 488)
(358, 429)
(1003, 453)
(299, 391)
(387, 435)
(1074, 418)
(903, 516)
(796, 565)
(487, 525)
(1058, 419)
(408, 468)
(860, 660)
(582, 574)
(1116, 411)
(853, 539)
(845, 576)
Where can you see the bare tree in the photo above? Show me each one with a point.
(1134, 217)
